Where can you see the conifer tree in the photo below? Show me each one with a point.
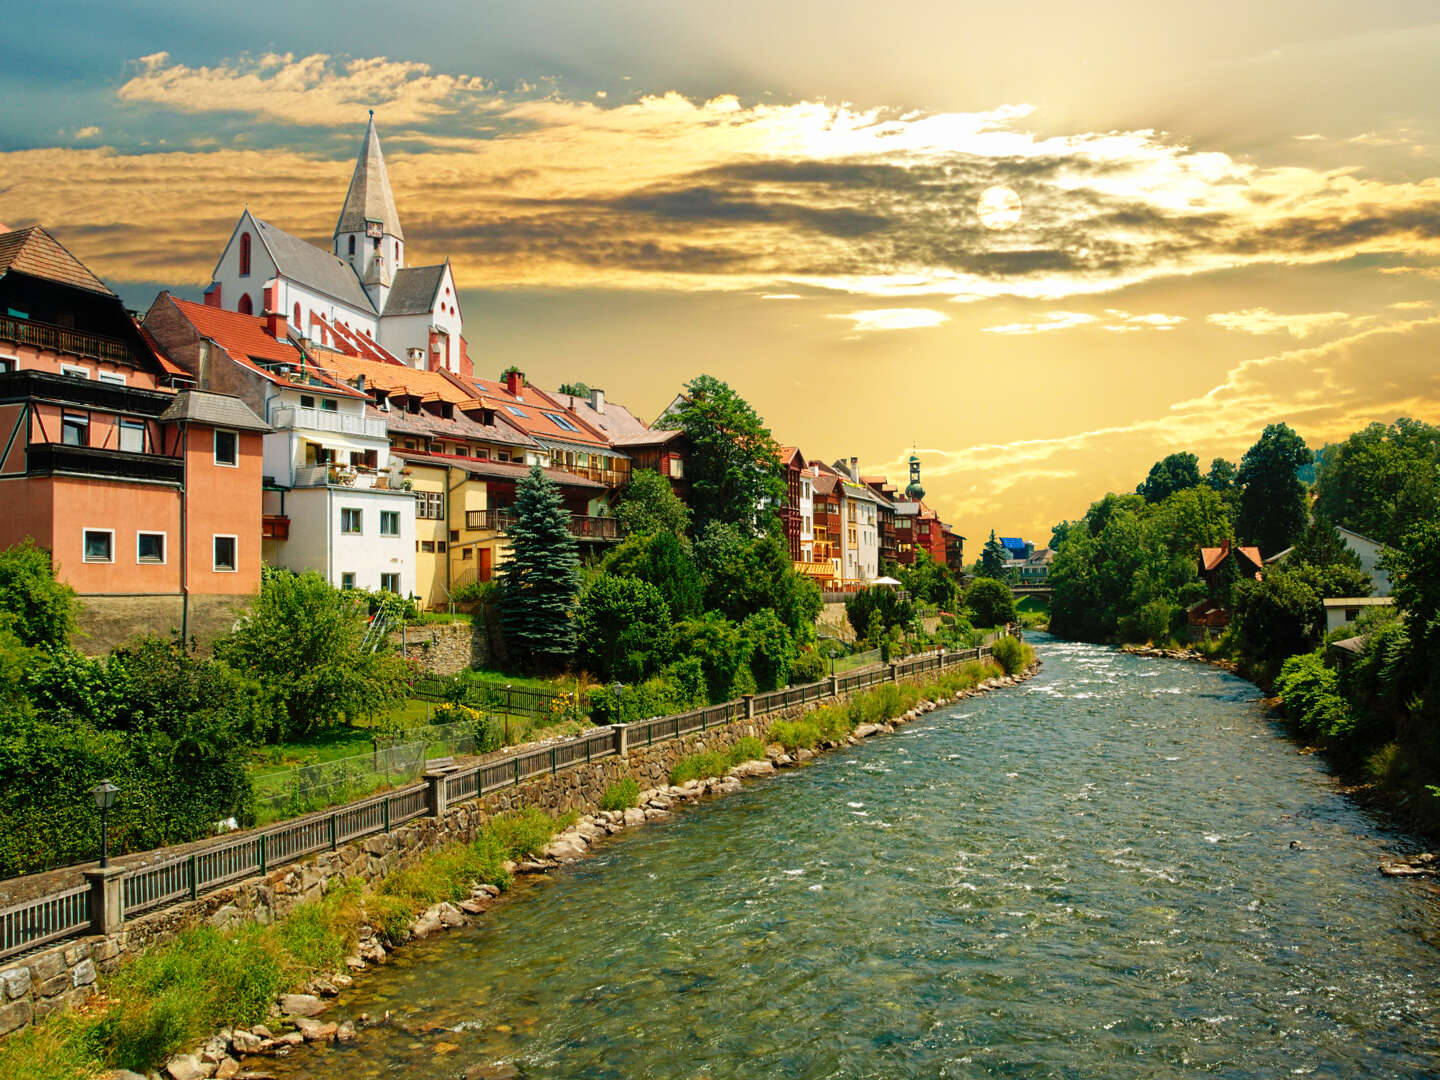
(540, 582)
(992, 558)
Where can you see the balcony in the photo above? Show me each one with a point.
(275, 527)
(301, 419)
(93, 461)
(92, 394)
(582, 526)
(62, 339)
(611, 478)
(350, 476)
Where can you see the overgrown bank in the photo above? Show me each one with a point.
(176, 994)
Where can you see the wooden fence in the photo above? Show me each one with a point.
(185, 876)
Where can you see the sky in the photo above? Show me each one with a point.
(1041, 245)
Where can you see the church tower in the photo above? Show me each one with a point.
(368, 232)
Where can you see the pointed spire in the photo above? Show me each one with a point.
(369, 197)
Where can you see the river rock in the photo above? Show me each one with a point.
(345, 1032)
(1424, 865)
(753, 768)
(315, 1030)
(228, 1069)
(123, 1074)
(472, 906)
(301, 1005)
(450, 915)
(427, 924)
(566, 848)
(804, 754)
(245, 1042)
(486, 888)
(188, 1067)
(864, 731)
(634, 816)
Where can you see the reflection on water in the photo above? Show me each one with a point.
(1114, 870)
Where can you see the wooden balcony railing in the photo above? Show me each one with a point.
(62, 339)
(582, 526)
(275, 527)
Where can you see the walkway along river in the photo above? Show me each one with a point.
(1119, 869)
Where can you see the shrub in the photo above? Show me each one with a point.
(721, 648)
(700, 766)
(990, 603)
(621, 796)
(1311, 692)
(622, 627)
(41, 610)
(808, 667)
(771, 649)
(747, 749)
(1009, 653)
(480, 593)
(795, 734)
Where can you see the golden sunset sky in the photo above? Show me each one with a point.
(1229, 214)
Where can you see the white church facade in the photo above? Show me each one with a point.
(361, 288)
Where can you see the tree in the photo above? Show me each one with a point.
(1173, 473)
(1277, 617)
(772, 650)
(992, 558)
(1272, 499)
(735, 464)
(1221, 476)
(929, 581)
(623, 628)
(650, 505)
(1322, 545)
(990, 602)
(574, 389)
(538, 584)
(1414, 567)
(301, 642)
(721, 649)
(1382, 481)
(759, 575)
(41, 610)
(663, 559)
(873, 611)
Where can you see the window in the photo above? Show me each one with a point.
(132, 436)
(246, 305)
(352, 252)
(347, 579)
(227, 448)
(245, 258)
(440, 544)
(389, 523)
(349, 521)
(677, 468)
(514, 411)
(430, 505)
(307, 401)
(390, 582)
(465, 553)
(150, 547)
(329, 405)
(502, 455)
(74, 371)
(224, 547)
(560, 421)
(7, 364)
(75, 429)
(454, 534)
(298, 324)
(114, 378)
(99, 545)
(427, 545)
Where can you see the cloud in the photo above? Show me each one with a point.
(877, 319)
(309, 90)
(1261, 320)
(1412, 305)
(1055, 320)
(1115, 321)
(90, 132)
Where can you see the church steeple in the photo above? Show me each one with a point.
(368, 232)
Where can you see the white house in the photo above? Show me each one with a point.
(1366, 550)
(1340, 610)
(360, 285)
(807, 518)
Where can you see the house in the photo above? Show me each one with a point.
(1016, 549)
(360, 283)
(145, 490)
(826, 566)
(860, 526)
(1366, 550)
(1342, 610)
(663, 450)
(334, 499)
(1219, 567)
(889, 543)
(792, 512)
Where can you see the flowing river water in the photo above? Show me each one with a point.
(1118, 869)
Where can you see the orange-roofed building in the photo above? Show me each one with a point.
(145, 491)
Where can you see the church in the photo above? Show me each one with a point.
(359, 295)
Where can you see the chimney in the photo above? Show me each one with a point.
(855, 469)
(597, 400)
(514, 380)
(274, 321)
(1225, 547)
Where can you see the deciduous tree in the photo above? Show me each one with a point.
(1272, 500)
(1173, 473)
(650, 505)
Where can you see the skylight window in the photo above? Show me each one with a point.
(514, 411)
(560, 422)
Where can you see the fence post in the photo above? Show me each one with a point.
(107, 898)
(894, 671)
(749, 706)
(552, 761)
(834, 685)
(333, 842)
(387, 813)
(435, 792)
(194, 879)
(264, 839)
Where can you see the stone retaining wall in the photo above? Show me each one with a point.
(446, 648)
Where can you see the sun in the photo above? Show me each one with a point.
(998, 208)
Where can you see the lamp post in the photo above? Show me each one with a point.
(104, 795)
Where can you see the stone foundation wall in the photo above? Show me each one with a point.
(106, 621)
(446, 648)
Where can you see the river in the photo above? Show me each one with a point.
(1118, 869)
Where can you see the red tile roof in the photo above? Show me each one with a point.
(1211, 557)
(499, 470)
(532, 404)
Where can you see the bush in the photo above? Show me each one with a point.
(771, 649)
(621, 796)
(700, 766)
(808, 667)
(747, 749)
(991, 603)
(874, 610)
(722, 650)
(480, 593)
(622, 628)
(794, 734)
(1311, 692)
(1009, 653)
(488, 733)
(40, 610)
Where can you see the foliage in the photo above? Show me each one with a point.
(1322, 545)
(651, 506)
(481, 593)
(1009, 653)
(716, 762)
(734, 465)
(1221, 477)
(487, 732)
(808, 667)
(623, 628)
(874, 610)
(992, 558)
(1272, 499)
(772, 650)
(37, 609)
(990, 602)
(1312, 696)
(1382, 481)
(664, 560)
(1278, 616)
(301, 642)
(758, 575)
(574, 389)
(1173, 473)
(662, 695)
(721, 649)
(929, 581)
(539, 582)
(621, 795)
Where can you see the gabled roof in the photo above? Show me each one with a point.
(527, 412)
(1211, 557)
(788, 454)
(173, 371)
(244, 339)
(413, 290)
(500, 470)
(35, 252)
(354, 343)
(369, 197)
(614, 423)
(313, 267)
(217, 410)
(653, 437)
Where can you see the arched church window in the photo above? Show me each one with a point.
(246, 306)
(352, 245)
(297, 315)
(244, 254)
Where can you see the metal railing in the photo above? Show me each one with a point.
(302, 419)
(185, 875)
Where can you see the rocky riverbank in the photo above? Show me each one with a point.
(1193, 655)
(297, 1019)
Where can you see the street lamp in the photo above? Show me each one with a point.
(104, 795)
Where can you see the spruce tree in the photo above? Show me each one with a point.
(540, 582)
(992, 558)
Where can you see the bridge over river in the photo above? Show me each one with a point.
(1120, 869)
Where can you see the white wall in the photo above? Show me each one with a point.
(227, 272)
(317, 543)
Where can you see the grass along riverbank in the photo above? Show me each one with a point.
(178, 994)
